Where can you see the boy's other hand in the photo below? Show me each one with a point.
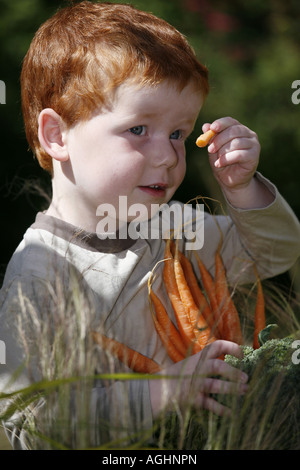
(194, 379)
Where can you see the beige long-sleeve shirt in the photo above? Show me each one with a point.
(62, 282)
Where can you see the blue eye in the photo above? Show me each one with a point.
(138, 130)
(176, 135)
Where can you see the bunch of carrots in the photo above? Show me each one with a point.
(202, 316)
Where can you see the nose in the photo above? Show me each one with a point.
(163, 153)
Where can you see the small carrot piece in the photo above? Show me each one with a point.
(133, 359)
(230, 320)
(260, 316)
(167, 331)
(203, 139)
(201, 329)
(185, 327)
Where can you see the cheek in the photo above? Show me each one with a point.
(119, 175)
(129, 166)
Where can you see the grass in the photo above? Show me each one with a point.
(4, 442)
(71, 365)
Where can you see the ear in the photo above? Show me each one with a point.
(51, 134)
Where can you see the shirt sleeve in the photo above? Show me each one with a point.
(268, 237)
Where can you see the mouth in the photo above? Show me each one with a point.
(157, 189)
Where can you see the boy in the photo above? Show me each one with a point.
(109, 96)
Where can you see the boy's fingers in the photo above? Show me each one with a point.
(209, 362)
(206, 127)
(212, 405)
(242, 143)
(218, 367)
(224, 387)
(219, 347)
(220, 124)
(234, 137)
(230, 158)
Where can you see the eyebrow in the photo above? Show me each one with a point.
(147, 115)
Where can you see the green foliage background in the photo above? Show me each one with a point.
(252, 50)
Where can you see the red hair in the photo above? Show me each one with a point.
(80, 55)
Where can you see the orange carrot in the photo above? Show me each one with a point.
(203, 139)
(171, 349)
(167, 330)
(201, 330)
(184, 324)
(198, 296)
(133, 359)
(221, 293)
(229, 318)
(209, 287)
(260, 316)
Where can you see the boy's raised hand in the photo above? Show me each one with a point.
(234, 156)
(233, 153)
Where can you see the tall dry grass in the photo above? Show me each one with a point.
(57, 411)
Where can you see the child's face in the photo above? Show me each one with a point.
(136, 149)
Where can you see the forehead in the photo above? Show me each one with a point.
(164, 98)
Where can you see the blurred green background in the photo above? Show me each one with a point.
(252, 51)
